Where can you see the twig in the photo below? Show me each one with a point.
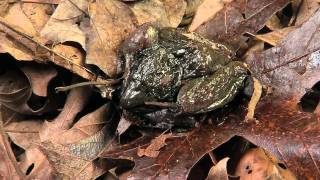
(9, 150)
(88, 83)
(4, 23)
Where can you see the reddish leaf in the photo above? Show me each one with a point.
(282, 130)
(292, 67)
(229, 25)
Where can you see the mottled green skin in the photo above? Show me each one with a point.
(198, 75)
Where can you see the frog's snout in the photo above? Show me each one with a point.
(131, 98)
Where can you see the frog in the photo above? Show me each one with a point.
(172, 78)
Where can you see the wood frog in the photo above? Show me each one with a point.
(171, 75)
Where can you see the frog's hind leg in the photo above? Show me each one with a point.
(211, 92)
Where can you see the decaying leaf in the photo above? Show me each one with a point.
(8, 165)
(110, 23)
(17, 88)
(156, 144)
(24, 47)
(306, 10)
(63, 26)
(296, 130)
(80, 141)
(206, 11)
(69, 166)
(219, 171)
(165, 13)
(229, 25)
(274, 37)
(75, 102)
(39, 164)
(24, 133)
(259, 164)
(292, 66)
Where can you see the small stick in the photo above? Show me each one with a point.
(88, 83)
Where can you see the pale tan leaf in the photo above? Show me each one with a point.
(274, 23)
(8, 46)
(306, 10)
(42, 168)
(274, 37)
(156, 144)
(70, 52)
(69, 166)
(259, 164)
(24, 133)
(63, 26)
(4, 6)
(77, 99)
(206, 11)
(89, 126)
(166, 13)
(17, 18)
(219, 171)
(111, 22)
(37, 14)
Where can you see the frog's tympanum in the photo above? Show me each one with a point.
(172, 77)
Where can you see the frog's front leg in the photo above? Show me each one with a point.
(214, 91)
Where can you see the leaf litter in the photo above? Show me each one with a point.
(79, 134)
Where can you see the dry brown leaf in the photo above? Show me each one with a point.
(39, 76)
(76, 100)
(274, 37)
(259, 164)
(238, 18)
(153, 149)
(292, 66)
(7, 46)
(63, 26)
(69, 166)
(70, 52)
(38, 14)
(111, 22)
(4, 6)
(42, 168)
(219, 171)
(21, 88)
(88, 126)
(206, 11)
(306, 10)
(165, 13)
(18, 18)
(24, 133)
(24, 46)
(274, 23)
(8, 165)
(90, 147)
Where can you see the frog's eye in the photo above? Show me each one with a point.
(179, 52)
